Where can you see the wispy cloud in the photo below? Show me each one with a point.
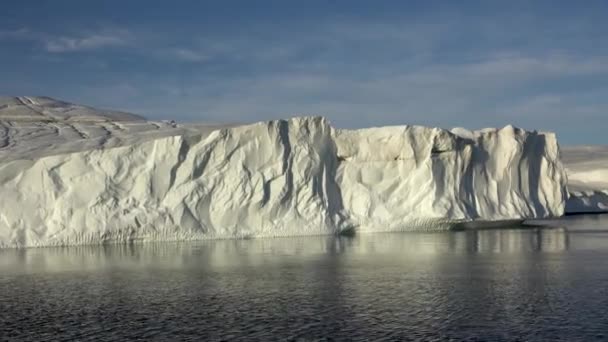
(494, 90)
(17, 34)
(188, 55)
(536, 65)
(451, 69)
(53, 43)
(85, 42)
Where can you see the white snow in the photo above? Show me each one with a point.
(73, 175)
(34, 127)
(587, 170)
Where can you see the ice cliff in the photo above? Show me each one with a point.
(70, 175)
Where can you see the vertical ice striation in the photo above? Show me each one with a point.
(393, 178)
(285, 177)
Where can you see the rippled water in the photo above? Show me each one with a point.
(538, 283)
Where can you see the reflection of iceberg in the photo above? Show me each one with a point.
(408, 247)
(470, 241)
(72, 175)
(500, 241)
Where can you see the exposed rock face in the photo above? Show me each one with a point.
(286, 177)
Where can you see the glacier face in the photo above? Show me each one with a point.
(394, 177)
(286, 177)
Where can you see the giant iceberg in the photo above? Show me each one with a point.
(73, 175)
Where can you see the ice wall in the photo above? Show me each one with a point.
(394, 178)
(279, 178)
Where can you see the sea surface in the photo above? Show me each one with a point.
(548, 281)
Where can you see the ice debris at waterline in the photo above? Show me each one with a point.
(73, 175)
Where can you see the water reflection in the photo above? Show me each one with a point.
(501, 284)
(578, 232)
(223, 253)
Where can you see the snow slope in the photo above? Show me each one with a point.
(93, 178)
(34, 127)
(587, 170)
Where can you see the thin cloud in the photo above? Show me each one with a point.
(17, 34)
(94, 41)
(550, 64)
(475, 94)
(69, 43)
(438, 71)
(188, 55)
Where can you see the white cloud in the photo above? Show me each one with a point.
(549, 64)
(361, 74)
(70, 43)
(492, 91)
(86, 42)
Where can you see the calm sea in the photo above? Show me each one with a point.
(535, 283)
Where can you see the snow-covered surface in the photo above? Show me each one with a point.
(34, 127)
(73, 175)
(587, 170)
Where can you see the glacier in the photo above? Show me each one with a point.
(71, 174)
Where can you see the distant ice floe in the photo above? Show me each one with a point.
(587, 170)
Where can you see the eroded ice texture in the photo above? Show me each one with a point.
(70, 178)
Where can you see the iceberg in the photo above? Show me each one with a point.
(71, 174)
(587, 171)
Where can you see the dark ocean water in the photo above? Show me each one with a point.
(533, 284)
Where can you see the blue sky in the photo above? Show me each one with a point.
(536, 64)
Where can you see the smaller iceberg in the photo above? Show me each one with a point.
(587, 170)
